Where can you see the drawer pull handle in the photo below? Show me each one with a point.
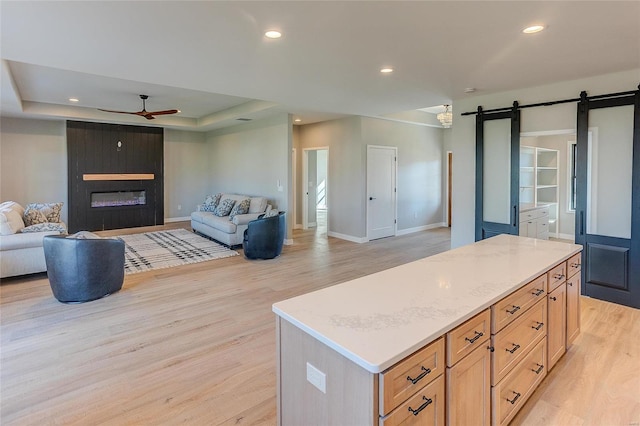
(515, 398)
(538, 291)
(539, 326)
(539, 370)
(422, 407)
(425, 371)
(478, 335)
(513, 311)
(491, 348)
(553, 298)
(575, 265)
(515, 348)
(558, 276)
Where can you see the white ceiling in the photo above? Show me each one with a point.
(211, 59)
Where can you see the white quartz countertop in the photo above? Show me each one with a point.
(377, 320)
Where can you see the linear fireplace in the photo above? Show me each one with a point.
(118, 198)
(115, 176)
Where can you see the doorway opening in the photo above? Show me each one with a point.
(545, 180)
(315, 189)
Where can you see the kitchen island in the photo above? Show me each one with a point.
(393, 345)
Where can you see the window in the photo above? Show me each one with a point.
(573, 155)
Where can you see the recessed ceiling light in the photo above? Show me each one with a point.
(273, 34)
(297, 120)
(533, 29)
(74, 100)
(386, 70)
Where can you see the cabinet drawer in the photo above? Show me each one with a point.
(409, 375)
(574, 264)
(534, 214)
(425, 408)
(514, 305)
(516, 340)
(557, 276)
(467, 336)
(514, 390)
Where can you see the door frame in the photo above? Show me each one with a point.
(449, 187)
(624, 249)
(489, 229)
(305, 185)
(394, 195)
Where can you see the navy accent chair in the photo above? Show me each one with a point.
(81, 270)
(264, 237)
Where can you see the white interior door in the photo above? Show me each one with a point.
(381, 191)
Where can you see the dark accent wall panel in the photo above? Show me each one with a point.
(92, 148)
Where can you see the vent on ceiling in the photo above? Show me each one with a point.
(243, 119)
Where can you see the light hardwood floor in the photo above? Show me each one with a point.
(196, 344)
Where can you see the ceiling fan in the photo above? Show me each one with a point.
(149, 115)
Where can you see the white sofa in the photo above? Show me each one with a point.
(223, 229)
(21, 252)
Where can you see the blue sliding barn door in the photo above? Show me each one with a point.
(608, 196)
(497, 172)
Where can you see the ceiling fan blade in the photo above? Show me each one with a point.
(165, 112)
(118, 112)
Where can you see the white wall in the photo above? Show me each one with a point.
(346, 172)
(557, 117)
(251, 159)
(420, 171)
(33, 162)
(186, 172)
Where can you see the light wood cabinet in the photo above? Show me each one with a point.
(557, 321)
(481, 372)
(514, 390)
(574, 281)
(410, 375)
(469, 389)
(517, 340)
(425, 408)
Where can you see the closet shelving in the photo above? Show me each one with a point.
(539, 181)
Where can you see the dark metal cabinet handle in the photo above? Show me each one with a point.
(539, 370)
(515, 398)
(575, 265)
(513, 311)
(553, 298)
(422, 407)
(515, 348)
(478, 335)
(558, 276)
(539, 326)
(372, 198)
(570, 283)
(491, 348)
(425, 371)
(538, 292)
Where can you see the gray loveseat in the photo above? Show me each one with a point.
(224, 229)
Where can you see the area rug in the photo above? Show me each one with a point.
(164, 249)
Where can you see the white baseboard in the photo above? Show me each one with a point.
(351, 238)
(288, 241)
(420, 228)
(176, 219)
(312, 224)
(567, 237)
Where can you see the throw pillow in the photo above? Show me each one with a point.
(211, 202)
(240, 208)
(46, 226)
(36, 213)
(10, 222)
(224, 208)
